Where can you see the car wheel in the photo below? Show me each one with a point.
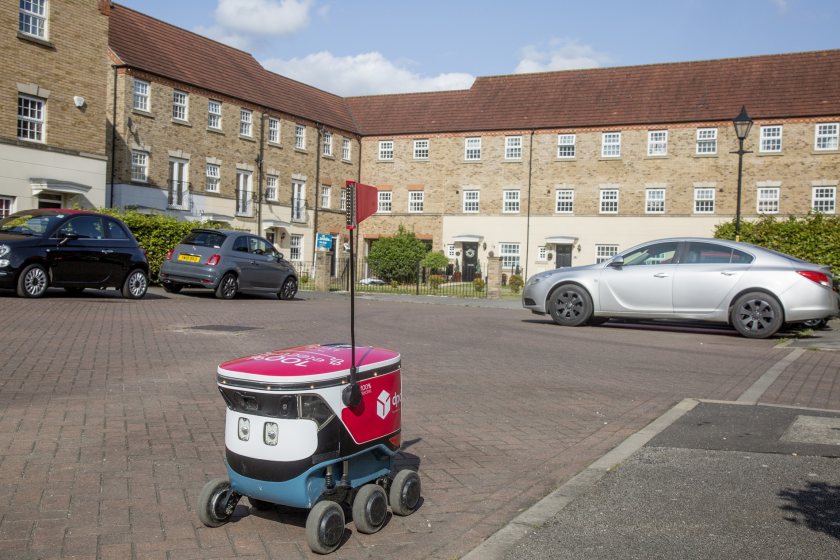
(33, 281)
(135, 284)
(228, 286)
(570, 305)
(172, 288)
(289, 289)
(757, 315)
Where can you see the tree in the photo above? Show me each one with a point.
(396, 258)
(435, 260)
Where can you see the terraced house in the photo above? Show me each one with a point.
(544, 170)
(52, 115)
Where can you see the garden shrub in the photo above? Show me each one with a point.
(478, 284)
(435, 280)
(516, 283)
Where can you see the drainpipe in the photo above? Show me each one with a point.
(113, 137)
(528, 210)
(260, 174)
(316, 196)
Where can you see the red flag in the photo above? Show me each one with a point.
(365, 200)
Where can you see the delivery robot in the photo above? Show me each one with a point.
(314, 427)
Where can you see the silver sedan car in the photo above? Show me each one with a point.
(755, 290)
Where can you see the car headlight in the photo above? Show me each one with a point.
(4, 250)
(4, 263)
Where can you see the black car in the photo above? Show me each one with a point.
(71, 249)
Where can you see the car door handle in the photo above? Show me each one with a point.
(661, 275)
(728, 273)
(107, 251)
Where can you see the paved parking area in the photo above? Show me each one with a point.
(112, 421)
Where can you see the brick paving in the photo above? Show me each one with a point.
(112, 421)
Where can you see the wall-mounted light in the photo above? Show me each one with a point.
(578, 247)
(78, 101)
(484, 245)
(282, 235)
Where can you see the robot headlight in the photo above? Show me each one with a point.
(244, 429)
(270, 433)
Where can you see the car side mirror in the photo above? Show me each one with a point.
(617, 262)
(280, 257)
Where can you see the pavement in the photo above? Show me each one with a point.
(112, 424)
(707, 479)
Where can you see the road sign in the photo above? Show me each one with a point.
(323, 241)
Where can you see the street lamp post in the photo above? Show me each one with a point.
(742, 124)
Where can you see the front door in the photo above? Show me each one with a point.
(564, 256)
(469, 259)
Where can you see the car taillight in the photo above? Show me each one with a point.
(818, 277)
(169, 254)
(213, 260)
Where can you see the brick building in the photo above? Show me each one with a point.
(53, 79)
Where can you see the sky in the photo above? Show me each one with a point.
(367, 47)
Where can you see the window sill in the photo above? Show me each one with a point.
(142, 112)
(216, 130)
(181, 123)
(714, 155)
(609, 158)
(824, 152)
(473, 161)
(665, 156)
(512, 160)
(327, 156)
(770, 154)
(36, 40)
(247, 138)
(347, 161)
(566, 159)
(384, 161)
(300, 150)
(275, 145)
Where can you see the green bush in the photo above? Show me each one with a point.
(814, 238)
(435, 280)
(478, 284)
(396, 258)
(435, 260)
(515, 283)
(155, 233)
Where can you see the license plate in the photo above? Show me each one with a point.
(189, 258)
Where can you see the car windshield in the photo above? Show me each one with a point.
(204, 239)
(29, 224)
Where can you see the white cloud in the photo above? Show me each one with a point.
(560, 54)
(263, 17)
(362, 74)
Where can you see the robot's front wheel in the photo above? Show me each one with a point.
(405, 493)
(325, 527)
(216, 502)
(370, 508)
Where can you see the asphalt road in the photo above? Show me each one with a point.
(113, 421)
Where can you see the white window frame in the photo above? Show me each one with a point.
(767, 200)
(246, 120)
(300, 137)
(770, 139)
(655, 201)
(180, 105)
(604, 252)
(328, 151)
(472, 148)
(824, 199)
(384, 202)
(345, 149)
(214, 114)
(178, 187)
(6, 206)
(657, 143)
(271, 190)
(142, 100)
(244, 192)
(326, 196)
(608, 201)
(421, 149)
(139, 166)
(509, 253)
(273, 130)
(296, 247)
(706, 142)
(32, 18)
(566, 146)
(213, 177)
(342, 204)
(471, 201)
(610, 144)
(386, 150)
(564, 201)
(415, 201)
(298, 200)
(511, 201)
(826, 136)
(704, 200)
(513, 148)
(31, 118)
(542, 253)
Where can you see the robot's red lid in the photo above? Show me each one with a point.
(312, 363)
